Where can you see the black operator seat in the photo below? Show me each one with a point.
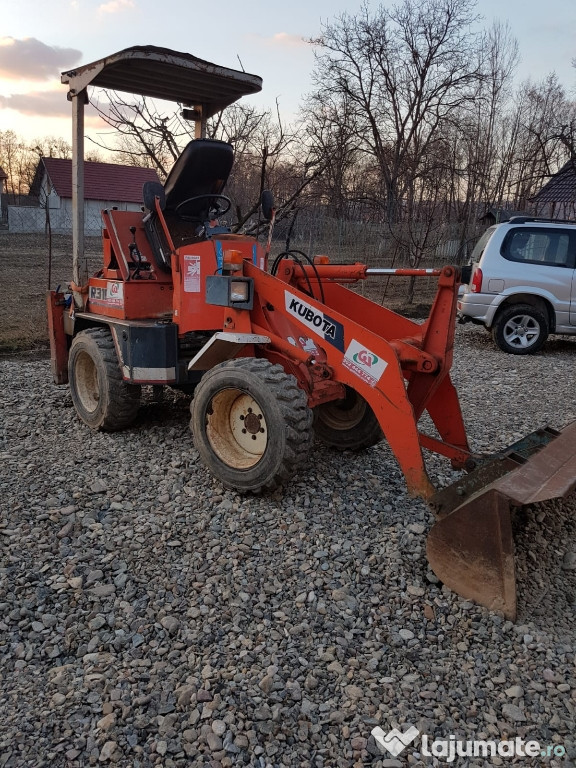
(201, 172)
(202, 169)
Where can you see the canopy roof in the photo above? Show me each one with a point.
(160, 73)
(164, 74)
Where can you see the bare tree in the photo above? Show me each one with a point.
(400, 73)
(500, 60)
(329, 127)
(543, 109)
(14, 159)
(143, 134)
(264, 148)
(20, 159)
(478, 138)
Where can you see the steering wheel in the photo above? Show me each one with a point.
(221, 198)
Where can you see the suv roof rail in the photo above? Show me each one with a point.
(524, 219)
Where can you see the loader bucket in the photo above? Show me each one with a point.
(470, 547)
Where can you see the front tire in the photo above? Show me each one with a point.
(348, 424)
(251, 424)
(102, 399)
(520, 329)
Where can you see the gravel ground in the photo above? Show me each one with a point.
(149, 617)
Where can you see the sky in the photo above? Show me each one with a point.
(40, 40)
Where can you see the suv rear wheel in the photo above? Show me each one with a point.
(520, 329)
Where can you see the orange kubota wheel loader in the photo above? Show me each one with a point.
(276, 354)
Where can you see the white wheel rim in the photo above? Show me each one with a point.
(86, 380)
(522, 331)
(236, 428)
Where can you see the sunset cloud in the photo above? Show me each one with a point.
(285, 40)
(31, 59)
(116, 6)
(278, 42)
(38, 103)
(41, 104)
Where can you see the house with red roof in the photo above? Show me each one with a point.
(106, 185)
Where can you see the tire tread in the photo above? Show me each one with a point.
(298, 417)
(519, 309)
(124, 399)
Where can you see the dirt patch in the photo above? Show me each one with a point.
(26, 355)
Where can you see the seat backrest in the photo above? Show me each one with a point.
(150, 191)
(202, 169)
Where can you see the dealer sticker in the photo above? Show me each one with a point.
(111, 295)
(363, 363)
(321, 324)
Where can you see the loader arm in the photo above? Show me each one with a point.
(424, 351)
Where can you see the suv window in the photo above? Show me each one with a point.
(481, 244)
(549, 247)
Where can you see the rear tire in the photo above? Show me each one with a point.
(251, 424)
(348, 424)
(102, 399)
(520, 329)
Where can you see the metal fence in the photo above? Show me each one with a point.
(25, 219)
(378, 244)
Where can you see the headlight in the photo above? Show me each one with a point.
(239, 290)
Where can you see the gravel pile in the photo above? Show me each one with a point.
(150, 618)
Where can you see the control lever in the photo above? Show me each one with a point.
(135, 252)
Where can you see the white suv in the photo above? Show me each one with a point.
(523, 283)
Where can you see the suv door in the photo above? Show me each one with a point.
(549, 258)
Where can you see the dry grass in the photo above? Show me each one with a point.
(24, 261)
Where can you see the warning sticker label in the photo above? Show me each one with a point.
(191, 273)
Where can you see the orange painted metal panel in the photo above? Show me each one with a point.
(197, 261)
(58, 339)
(132, 300)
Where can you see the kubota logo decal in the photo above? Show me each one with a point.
(364, 363)
(321, 324)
